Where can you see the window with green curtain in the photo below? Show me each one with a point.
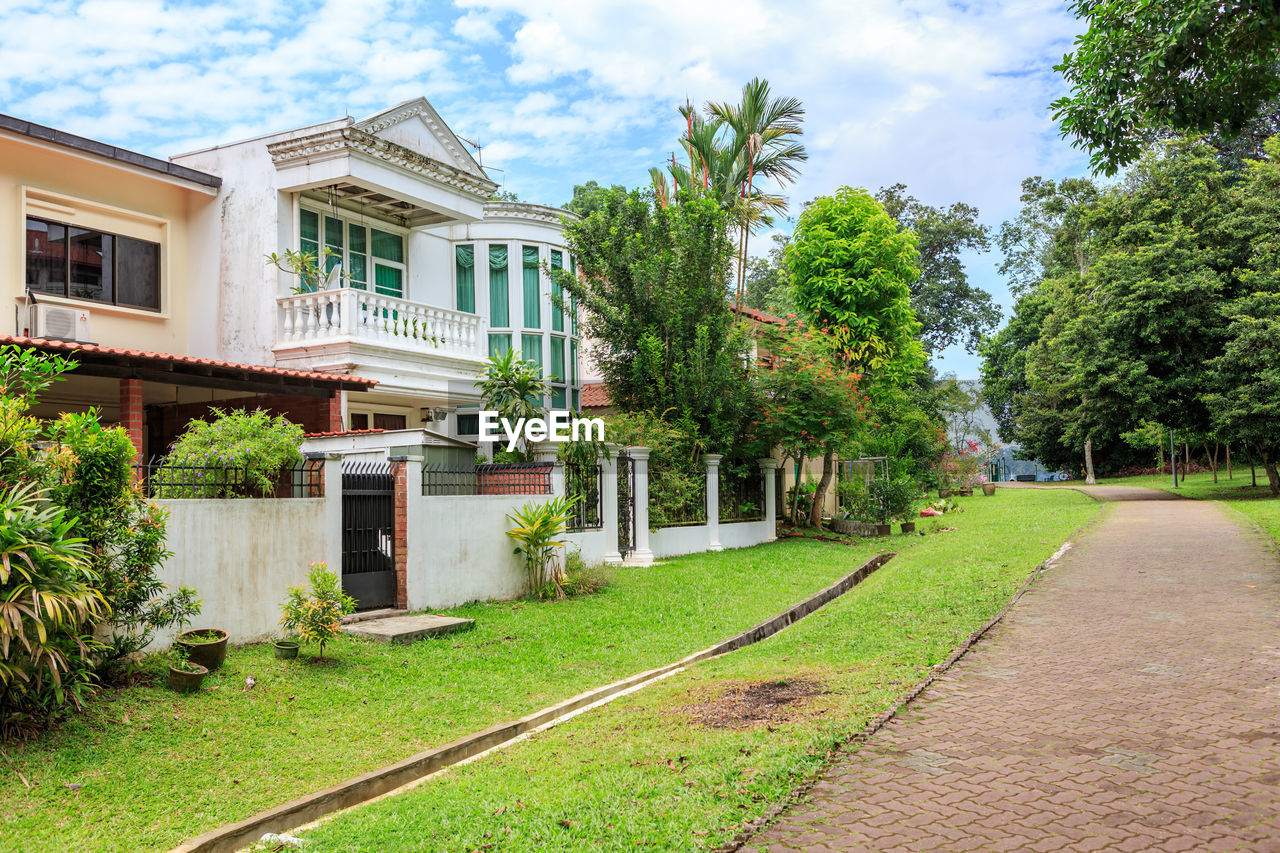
(573, 301)
(532, 297)
(358, 256)
(388, 247)
(388, 281)
(557, 315)
(332, 242)
(499, 295)
(499, 344)
(557, 360)
(531, 348)
(576, 402)
(309, 242)
(466, 272)
(557, 398)
(573, 362)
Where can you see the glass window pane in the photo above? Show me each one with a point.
(138, 273)
(575, 402)
(359, 272)
(465, 273)
(91, 264)
(333, 233)
(573, 362)
(309, 226)
(499, 344)
(556, 369)
(388, 281)
(357, 236)
(531, 348)
(46, 257)
(468, 424)
(557, 398)
(388, 247)
(532, 295)
(499, 293)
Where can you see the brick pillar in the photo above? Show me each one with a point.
(131, 413)
(336, 424)
(401, 464)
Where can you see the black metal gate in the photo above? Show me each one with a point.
(626, 504)
(369, 533)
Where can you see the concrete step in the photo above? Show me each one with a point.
(366, 615)
(406, 629)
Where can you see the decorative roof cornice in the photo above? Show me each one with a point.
(522, 210)
(421, 109)
(346, 140)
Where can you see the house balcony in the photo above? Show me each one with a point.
(404, 344)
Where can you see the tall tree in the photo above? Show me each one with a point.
(949, 308)
(651, 281)
(590, 197)
(852, 268)
(1184, 65)
(769, 278)
(1050, 235)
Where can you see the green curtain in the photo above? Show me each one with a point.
(466, 265)
(557, 360)
(557, 315)
(499, 344)
(532, 297)
(531, 348)
(499, 298)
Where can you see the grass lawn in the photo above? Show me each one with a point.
(154, 768)
(681, 764)
(1255, 502)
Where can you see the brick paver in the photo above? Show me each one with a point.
(1129, 701)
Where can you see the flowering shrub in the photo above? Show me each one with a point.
(237, 454)
(317, 618)
(960, 470)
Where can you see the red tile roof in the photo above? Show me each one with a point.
(342, 432)
(595, 396)
(760, 316)
(163, 359)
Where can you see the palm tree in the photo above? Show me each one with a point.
(728, 148)
(765, 131)
(514, 388)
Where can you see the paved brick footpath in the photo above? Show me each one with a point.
(1129, 701)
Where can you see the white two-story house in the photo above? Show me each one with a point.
(427, 275)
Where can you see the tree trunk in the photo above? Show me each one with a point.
(1273, 478)
(1186, 456)
(1253, 472)
(795, 491)
(1088, 463)
(819, 496)
(1160, 453)
(1228, 461)
(1213, 460)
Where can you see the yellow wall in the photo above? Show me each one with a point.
(52, 182)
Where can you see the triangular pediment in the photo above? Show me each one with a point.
(417, 126)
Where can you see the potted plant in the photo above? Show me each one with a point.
(185, 675)
(316, 617)
(205, 646)
(286, 649)
(988, 489)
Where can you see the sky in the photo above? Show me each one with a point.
(949, 98)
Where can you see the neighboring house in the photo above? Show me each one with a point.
(102, 246)
(437, 275)
(164, 264)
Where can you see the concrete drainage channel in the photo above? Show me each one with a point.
(378, 783)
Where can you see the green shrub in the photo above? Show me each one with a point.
(48, 610)
(316, 617)
(537, 526)
(887, 499)
(581, 579)
(92, 472)
(237, 454)
(677, 476)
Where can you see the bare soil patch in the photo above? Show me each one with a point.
(736, 705)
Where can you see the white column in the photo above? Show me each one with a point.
(641, 556)
(332, 553)
(609, 504)
(713, 500)
(546, 454)
(769, 471)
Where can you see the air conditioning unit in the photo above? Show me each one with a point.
(58, 322)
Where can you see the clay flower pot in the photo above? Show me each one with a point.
(187, 679)
(908, 527)
(944, 493)
(205, 646)
(988, 489)
(286, 649)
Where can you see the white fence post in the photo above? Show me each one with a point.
(713, 500)
(547, 451)
(641, 556)
(609, 504)
(332, 540)
(769, 471)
